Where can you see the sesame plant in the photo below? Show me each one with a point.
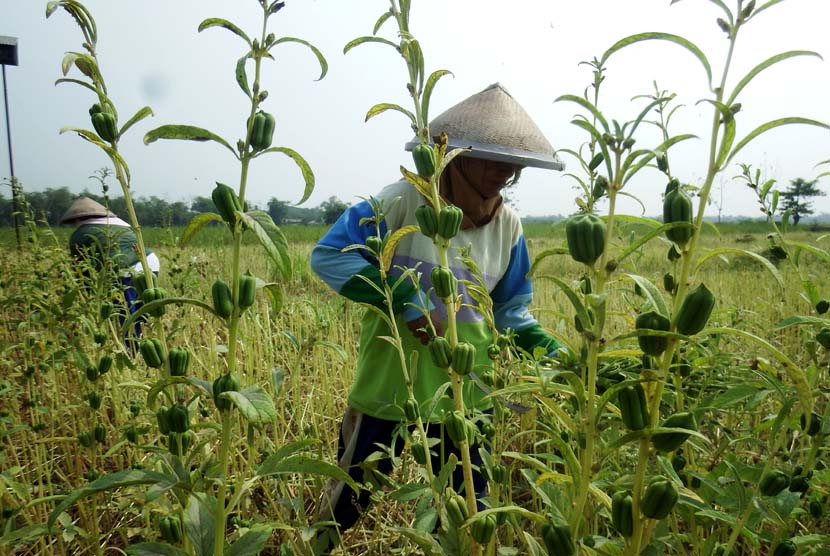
(650, 411)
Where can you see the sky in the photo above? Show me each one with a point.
(151, 54)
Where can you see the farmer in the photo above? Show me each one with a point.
(102, 239)
(503, 139)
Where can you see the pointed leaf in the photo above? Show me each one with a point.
(304, 464)
(392, 243)
(119, 479)
(242, 75)
(384, 106)
(324, 66)
(185, 133)
(277, 250)
(252, 542)
(76, 82)
(219, 22)
(586, 105)
(573, 297)
(642, 240)
(137, 117)
(361, 40)
(544, 255)
(771, 125)
(818, 252)
(763, 7)
(153, 549)
(308, 175)
(276, 294)
(196, 224)
(381, 20)
(652, 294)
(430, 85)
(764, 65)
(199, 524)
(417, 182)
(742, 252)
(691, 47)
(254, 403)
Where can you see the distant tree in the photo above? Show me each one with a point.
(278, 210)
(202, 204)
(796, 198)
(332, 209)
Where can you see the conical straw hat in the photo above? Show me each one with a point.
(495, 127)
(84, 207)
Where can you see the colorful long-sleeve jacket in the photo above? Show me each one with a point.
(499, 249)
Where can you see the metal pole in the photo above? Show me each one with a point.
(15, 206)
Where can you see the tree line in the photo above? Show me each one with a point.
(50, 204)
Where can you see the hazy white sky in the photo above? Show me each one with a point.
(151, 54)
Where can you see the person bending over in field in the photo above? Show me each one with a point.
(102, 242)
(503, 139)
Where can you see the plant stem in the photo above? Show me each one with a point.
(220, 516)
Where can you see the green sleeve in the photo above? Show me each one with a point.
(534, 336)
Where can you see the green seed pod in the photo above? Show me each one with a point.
(678, 462)
(152, 351)
(483, 528)
(823, 338)
(154, 294)
(179, 418)
(816, 509)
(493, 352)
(85, 439)
(104, 364)
(773, 482)
(659, 498)
(670, 441)
(179, 361)
(695, 310)
(498, 473)
(622, 513)
(449, 221)
(822, 306)
(92, 373)
(170, 528)
(427, 221)
(662, 162)
(105, 310)
(419, 453)
(131, 434)
(444, 282)
(374, 244)
(586, 238)
(558, 539)
(456, 425)
(633, 407)
(652, 320)
(785, 548)
(440, 352)
(677, 207)
(225, 383)
(226, 202)
(94, 399)
(100, 338)
(163, 420)
(595, 162)
(814, 426)
(463, 358)
(99, 433)
(424, 158)
(262, 131)
(175, 438)
(411, 410)
(799, 483)
(668, 282)
(247, 290)
(673, 254)
(105, 124)
(456, 508)
(222, 299)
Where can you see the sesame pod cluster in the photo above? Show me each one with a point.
(262, 131)
(670, 441)
(225, 383)
(152, 350)
(222, 298)
(154, 294)
(444, 282)
(170, 528)
(558, 539)
(463, 358)
(104, 122)
(659, 498)
(449, 221)
(773, 482)
(427, 221)
(677, 208)
(633, 407)
(652, 320)
(622, 513)
(440, 352)
(424, 158)
(695, 310)
(179, 358)
(483, 528)
(226, 202)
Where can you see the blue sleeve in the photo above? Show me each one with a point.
(511, 298)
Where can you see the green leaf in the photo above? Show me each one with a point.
(430, 85)
(821, 253)
(544, 255)
(302, 465)
(277, 250)
(771, 125)
(162, 302)
(242, 75)
(381, 20)
(588, 106)
(119, 479)
(663, 147)
(764, 65)
(76, 82)
(185, 133)
(252, 542)
(642, 240)
(744, 253)
(276, 294)
(424, 541)
(691, 47)
(573, 297)
(360, 40)
(308, 175)
(763, 7)
(384, 106)
(199, 524)
(324, 66)
(196, 224)
(137, 117)
(219, 22)
(652, 294)
(154, 549)
(254, 403)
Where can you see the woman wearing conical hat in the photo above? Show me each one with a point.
(502, 140)
(101, 239)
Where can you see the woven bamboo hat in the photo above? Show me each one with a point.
(495, 127)
(84, 207)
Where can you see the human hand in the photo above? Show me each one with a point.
(420, 327)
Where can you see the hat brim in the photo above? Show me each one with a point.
(498, 153)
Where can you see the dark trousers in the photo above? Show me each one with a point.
(363, 442)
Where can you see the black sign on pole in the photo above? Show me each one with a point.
(8, 57)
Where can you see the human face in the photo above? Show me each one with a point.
(495, 176)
